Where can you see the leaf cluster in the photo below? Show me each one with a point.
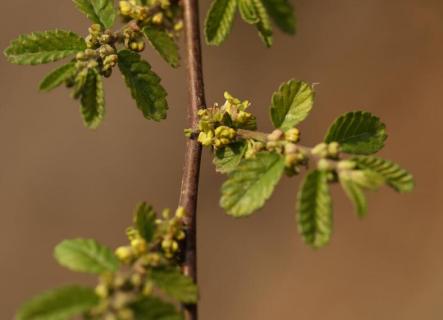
(255, 162)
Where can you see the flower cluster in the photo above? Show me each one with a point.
(119, 291)
(218, 125)
(165, 14)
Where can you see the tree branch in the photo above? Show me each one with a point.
(191, 170)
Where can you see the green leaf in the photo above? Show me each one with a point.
(247, 11)
(291, 104)
(58, 77)
(358, 133)
(355, 194)
(314, 207)
(144, 220)
(85, 255)
(219, 21)
(92, 98)
(98, 11)
(58, 304)
(227, 159)
(44, 47)
(165, 45)
(282, 12)
(396, 177)
(264, 24)
(251, 184)
(144, 84)
(175, 284)
(151, 308)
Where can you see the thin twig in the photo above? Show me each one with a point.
(190, 179)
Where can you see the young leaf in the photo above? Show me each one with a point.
(165, 45)
(58, 77)
(247, 11)
(92, 98)
(219, 21)
(227, 159)
(58, 304)
(355, 194)
(264, 24)
(44, 47)
(175, 284)
(151, 308)
(85, 255)
(144, 220)
(98, 11)
(291, 104)
(396, 177)
(358, 133)
(144, 84)
(251, 184)
(282, 12)
(314, 208)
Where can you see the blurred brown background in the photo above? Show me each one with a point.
(59, 180)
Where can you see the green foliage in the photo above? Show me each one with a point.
(251, 184)
(314, 207)
(291, 104)
(247, 11)
(155, 309)
(219, 21)
(256, 12)
(92, 98)
(58, 77)
(396, 177)
(227, 159)
(175, 284)
(144, 85)
(264, 23)
(44, 47)
(144, 221)
(85, 255)
(58, 304)
(358, 133)
(98, 11)
(164, 44)
(282, 12)
(355, 194)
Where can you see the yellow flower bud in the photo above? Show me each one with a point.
(124, 254)
(292, 135)
(346, 165)
(205, 138)
(180, 212)
(125, 8)
(157, 18)
(324, 165)
(139, 245)
(166, 244)
(178, 26)
(102, 291)
(320, 150)
(174, 246)
(333, 149)
(181, 235)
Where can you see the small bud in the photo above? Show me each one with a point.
(125, 8)
(324, 165)
(178, 26)
(125, 314)
(139, 245)
(320, 150)
(243, 116)
(276, 135)
(95, 29)
(292, 135)
(333, 149)
(291, 160)
(180, 212)
(205, 138)
(181, 235)
(157, 18)
(124, 254)
(174, 246)
(80, 56)
(166, 214)
(102, 291)
(291, 148)
(166, 244)
(136, 280)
